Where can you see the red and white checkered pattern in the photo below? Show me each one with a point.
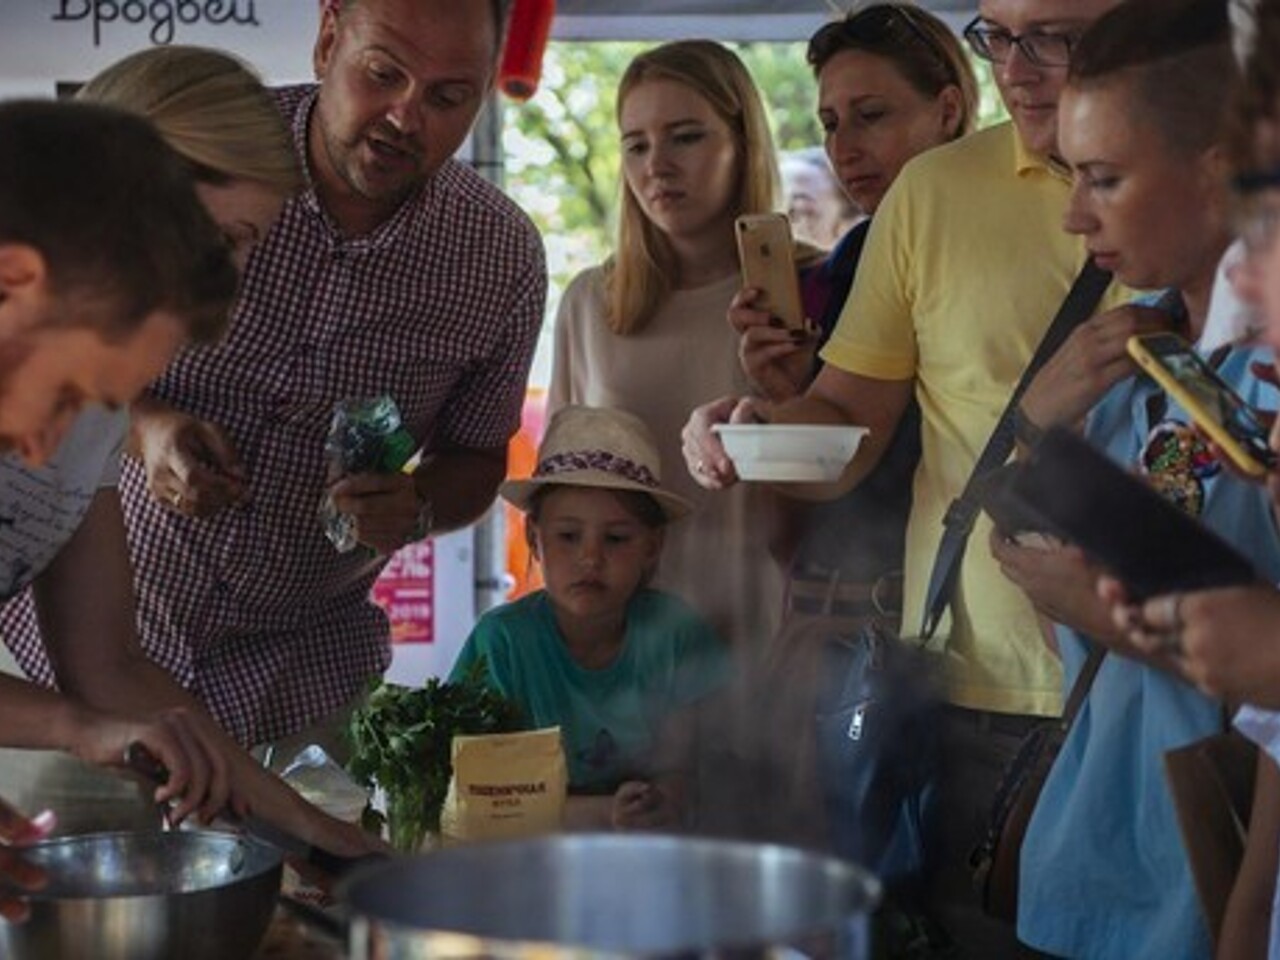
(440, 308)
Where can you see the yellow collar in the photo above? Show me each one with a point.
(1027, 161)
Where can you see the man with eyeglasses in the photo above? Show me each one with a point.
(964, 267)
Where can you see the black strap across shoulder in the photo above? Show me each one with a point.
(1080, 302)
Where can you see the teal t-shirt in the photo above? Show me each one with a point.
(609, 718)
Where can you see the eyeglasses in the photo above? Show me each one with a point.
(875, 27)
(995, 44)
(905, 16)
(1257, 212)
(873, 23)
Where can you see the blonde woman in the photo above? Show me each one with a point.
(213, 110)
(646, 330)
(69, 561)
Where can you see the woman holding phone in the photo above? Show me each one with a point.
(1103, 869)
(1227, 641)
(893, 82)
(645, 330)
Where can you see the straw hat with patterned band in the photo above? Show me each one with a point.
(597, 447)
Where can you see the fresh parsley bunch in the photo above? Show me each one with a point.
(402, 737)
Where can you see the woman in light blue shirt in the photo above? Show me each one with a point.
(1103, 870)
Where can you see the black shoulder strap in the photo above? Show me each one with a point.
(1080, 689)
(1078, 306)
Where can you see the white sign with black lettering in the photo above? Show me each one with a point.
(45, 42)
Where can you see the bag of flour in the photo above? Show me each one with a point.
(505, 785)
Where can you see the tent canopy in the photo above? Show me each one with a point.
(725, 19)
(43, 43)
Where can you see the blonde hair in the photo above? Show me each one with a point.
(210, 107)
(637, 275)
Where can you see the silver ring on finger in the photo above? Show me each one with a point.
(176, 500)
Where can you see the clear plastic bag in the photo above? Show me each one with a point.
(365, 436)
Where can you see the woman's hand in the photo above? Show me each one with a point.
(704, 454)
(1058, 580)
(778, 361)
(1226, 641)
(1092, 360)
(16, 831)
(192, 466)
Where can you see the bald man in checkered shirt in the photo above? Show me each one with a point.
(397, 271)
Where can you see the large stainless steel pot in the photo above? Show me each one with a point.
(609, 895)
(189, 894)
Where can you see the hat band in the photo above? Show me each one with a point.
(576, 461)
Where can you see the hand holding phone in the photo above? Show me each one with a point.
(1012, 518)
(1149, 544)
(1229, 422)
(765, 249)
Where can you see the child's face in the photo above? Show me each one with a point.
(594, 552)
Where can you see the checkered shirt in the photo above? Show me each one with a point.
(440, 308)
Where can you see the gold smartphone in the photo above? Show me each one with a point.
(1218, 410)
(766, 252)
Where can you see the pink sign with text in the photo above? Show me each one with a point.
(406, 591)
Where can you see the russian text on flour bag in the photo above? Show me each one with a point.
(505, 785)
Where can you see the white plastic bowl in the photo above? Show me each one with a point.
(789, 452)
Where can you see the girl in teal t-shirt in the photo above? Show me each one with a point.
(615, 664)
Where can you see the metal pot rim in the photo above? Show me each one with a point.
(359, 891)
(266, 859)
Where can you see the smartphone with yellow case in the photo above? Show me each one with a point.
(1229, 422)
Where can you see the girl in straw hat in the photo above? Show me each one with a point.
(616, 664)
